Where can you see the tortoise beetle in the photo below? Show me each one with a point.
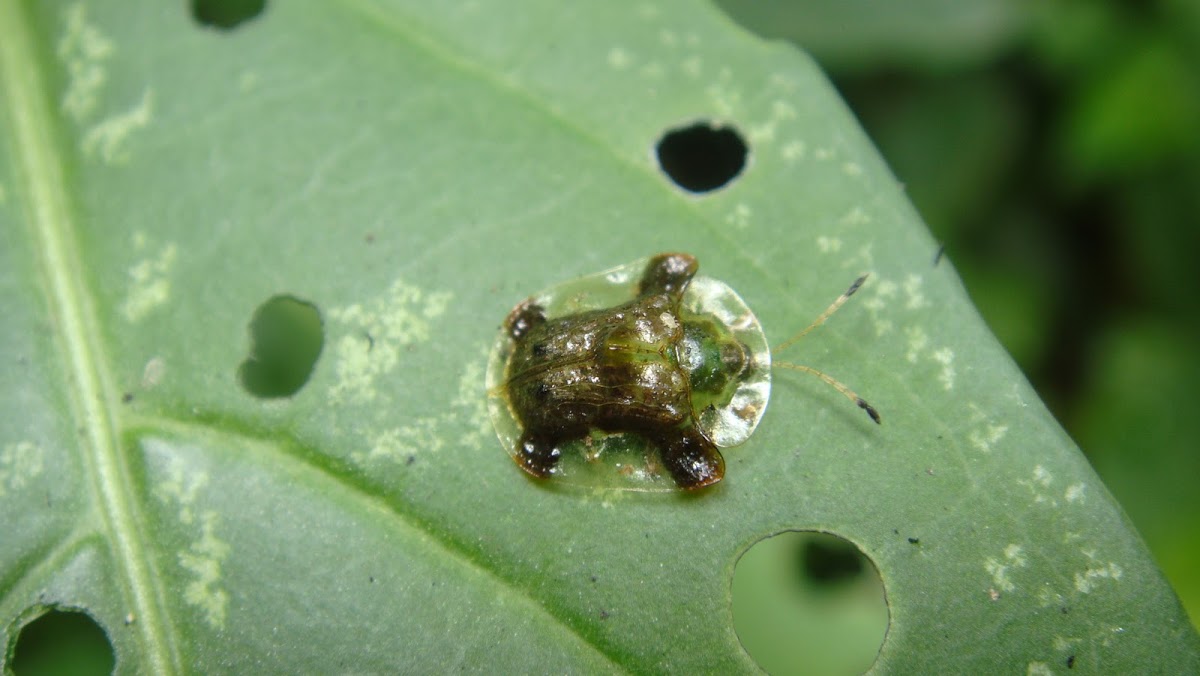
(633, 378)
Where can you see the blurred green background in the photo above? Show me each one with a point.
(1054, 147)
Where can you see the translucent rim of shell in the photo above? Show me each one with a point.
(733, 424)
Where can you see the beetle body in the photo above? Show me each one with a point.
(612, 370)
(659, 368)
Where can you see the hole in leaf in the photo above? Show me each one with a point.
(287, 338)
(809, 603)
(702, 157)
(62, 641)
(226, 14)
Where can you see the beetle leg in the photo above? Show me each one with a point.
(668, 273)
(693, 460)
(524, 317)
(537, 454)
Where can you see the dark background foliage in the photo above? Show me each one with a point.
(1055, 150)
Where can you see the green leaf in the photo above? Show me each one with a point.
(412, 171)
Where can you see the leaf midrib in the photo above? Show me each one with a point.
(39, 160)
(43, 194)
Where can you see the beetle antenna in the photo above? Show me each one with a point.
(833, 307)
(829, 380)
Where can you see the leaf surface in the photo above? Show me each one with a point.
(412, 171)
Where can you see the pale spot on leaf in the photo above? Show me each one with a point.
(204, 555)
(1000, 567)
(762, 133)
(863, 259)
(783, 110)
(912, 289)
(1038, 486)
(1047, 597)
(153, 372)
(986, 437)
(203, 560)
(466, 416)
(83, 50)
(881, 291)
(918, 340)
(398, 444)
(999, 573)
(149, 281)
(619, 58)
(856, 216)
(1065, 643)
(20, 464)
(945, 357)
(1085, 582)
(608, 497)
(828, 244)
(180, 489)
(470, 405)
(108, 138)
(375, 335)
(740, 216)
(793, 151)
(1016, 554)
(726, 101)
(1042, 476)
